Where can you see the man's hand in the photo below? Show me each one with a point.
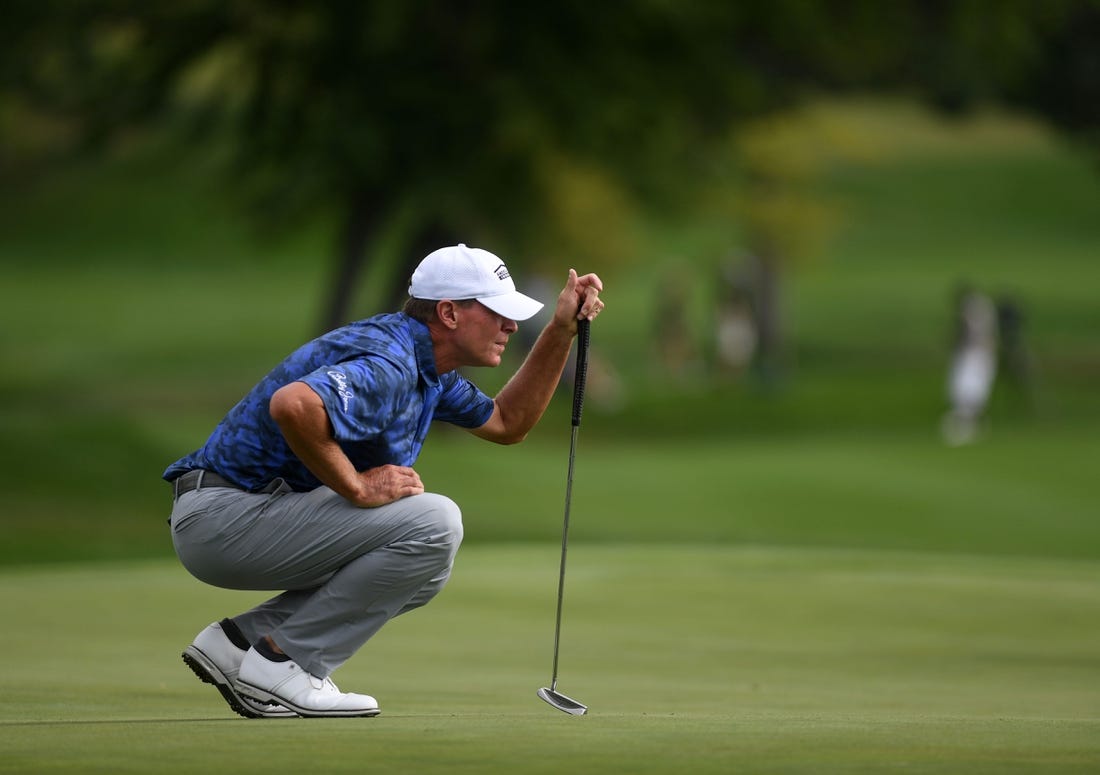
(579, 299)
(387, 484)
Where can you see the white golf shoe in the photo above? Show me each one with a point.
(216, 659)
(287, 684)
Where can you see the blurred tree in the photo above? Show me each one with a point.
(419, 122)
(784, 220)
(1064, 85)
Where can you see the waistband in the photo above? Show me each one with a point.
(199, 478)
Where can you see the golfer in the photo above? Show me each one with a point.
(307, 484)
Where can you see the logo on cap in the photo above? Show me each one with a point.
(502, 272)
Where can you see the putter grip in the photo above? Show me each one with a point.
(583, 335)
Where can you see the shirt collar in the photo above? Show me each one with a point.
(425, 352)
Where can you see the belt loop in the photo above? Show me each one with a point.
(176, 487)
(198, 482)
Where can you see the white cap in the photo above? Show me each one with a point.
(459, 272)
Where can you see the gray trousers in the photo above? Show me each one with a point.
(346, 570)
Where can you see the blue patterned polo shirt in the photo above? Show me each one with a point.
(378, 381)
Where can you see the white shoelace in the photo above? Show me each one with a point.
(322, 684)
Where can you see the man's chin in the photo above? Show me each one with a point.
(496, 357)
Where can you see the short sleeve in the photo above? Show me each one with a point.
(361, 396)
(462, 403)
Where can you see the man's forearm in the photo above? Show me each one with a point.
(523, 400)
(301, 417)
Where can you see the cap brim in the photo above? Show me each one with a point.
(514, 306)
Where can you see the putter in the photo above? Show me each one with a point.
(551, 695)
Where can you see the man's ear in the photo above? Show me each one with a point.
(447, 312)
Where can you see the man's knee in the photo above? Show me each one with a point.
(442, 521)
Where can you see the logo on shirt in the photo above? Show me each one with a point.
(342, 389)
(502, 272)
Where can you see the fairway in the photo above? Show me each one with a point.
(692, 659)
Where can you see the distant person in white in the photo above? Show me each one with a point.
(973, 365)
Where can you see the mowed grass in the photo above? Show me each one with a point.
(692, 659)
(1023, 492)
(1029, 492)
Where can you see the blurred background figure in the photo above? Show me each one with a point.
(679, 355)
(1015, 364)
(735, 333)
(973, 365)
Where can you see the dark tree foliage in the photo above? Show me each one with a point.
(377, 109)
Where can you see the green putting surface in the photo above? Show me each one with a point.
(691, 659)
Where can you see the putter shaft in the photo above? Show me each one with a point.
(564, 552)
(551, 695)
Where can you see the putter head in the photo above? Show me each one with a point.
(561, 702)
